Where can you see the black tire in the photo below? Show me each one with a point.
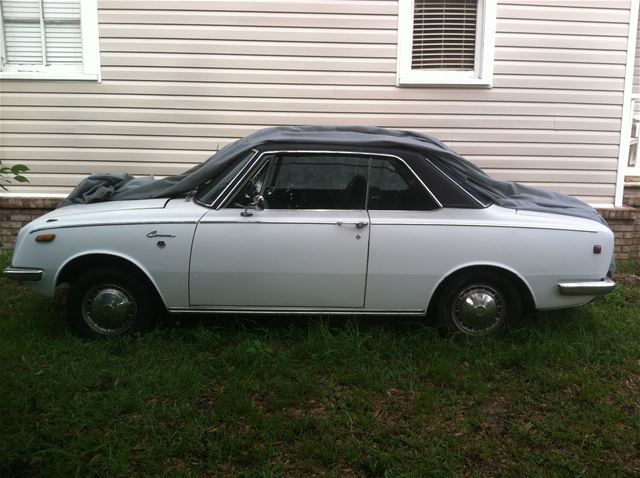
(478, 304)
(110, 302)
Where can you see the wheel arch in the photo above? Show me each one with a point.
(524, 290)
(89, 260)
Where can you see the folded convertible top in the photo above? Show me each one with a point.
(114, 187)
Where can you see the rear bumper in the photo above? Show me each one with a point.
(600, 287)
(23, 274)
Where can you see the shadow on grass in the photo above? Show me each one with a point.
(284, 321)
(535, 323)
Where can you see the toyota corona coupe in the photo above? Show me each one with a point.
(317, 220)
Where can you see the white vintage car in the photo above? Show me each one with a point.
(308, 228)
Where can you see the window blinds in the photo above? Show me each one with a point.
(444, 34)
(41, 32)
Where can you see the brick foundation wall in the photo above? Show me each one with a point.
(632, 193)
(625, 222)
(16, 212)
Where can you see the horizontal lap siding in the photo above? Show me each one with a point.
(183, 78)
(636, 72)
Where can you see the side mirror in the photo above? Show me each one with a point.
(256, 205)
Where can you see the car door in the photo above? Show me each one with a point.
(306, 249)
(403, 247)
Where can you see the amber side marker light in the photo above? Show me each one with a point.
(45, 237)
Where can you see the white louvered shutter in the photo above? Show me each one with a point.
(444, 34)
(41, 32)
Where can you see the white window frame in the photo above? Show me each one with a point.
(90, 68)
(482, 76)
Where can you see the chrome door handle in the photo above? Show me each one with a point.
(359, 225)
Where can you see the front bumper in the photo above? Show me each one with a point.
(600, 287)
(23, 274)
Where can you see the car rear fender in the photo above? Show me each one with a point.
(526, 293)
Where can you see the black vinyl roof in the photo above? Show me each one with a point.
(113, 187)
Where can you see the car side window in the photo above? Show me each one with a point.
(315, 181)
(335, 181)
(394, 187)
(253, 187)
(209, 191)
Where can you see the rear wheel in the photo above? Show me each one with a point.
(109, 302)
(478, 304)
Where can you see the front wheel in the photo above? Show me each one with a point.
(478, 305)
(109, 302)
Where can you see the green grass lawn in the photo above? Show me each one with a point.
(226, 396)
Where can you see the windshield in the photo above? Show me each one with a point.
(210, 190)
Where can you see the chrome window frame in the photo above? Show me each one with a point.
(256, 161)
(249, 164)
(451, 180)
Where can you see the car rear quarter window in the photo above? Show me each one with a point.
(394, 187)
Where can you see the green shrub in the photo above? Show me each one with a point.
(12, 173)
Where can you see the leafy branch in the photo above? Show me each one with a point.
(12, 173)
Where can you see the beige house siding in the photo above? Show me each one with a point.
(183, 78)
(636, 69)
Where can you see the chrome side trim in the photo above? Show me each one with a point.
(601, 287)
(505, 225)
(280, 221)
(389, 223)
(100, 224)
(23, 274)
(293, 221)
(255, 160)
(293, 311)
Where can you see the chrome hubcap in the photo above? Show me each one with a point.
(478, 310)
(108, 309)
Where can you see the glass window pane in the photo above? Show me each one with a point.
(210, 190)
(253, 187)
(317, 181)
(394, 187)
(444, 34)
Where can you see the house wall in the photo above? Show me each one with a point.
(636, 70)
(182, 78)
